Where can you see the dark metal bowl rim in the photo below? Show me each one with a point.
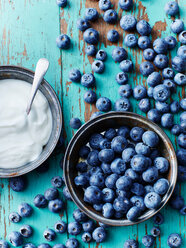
(80, 205)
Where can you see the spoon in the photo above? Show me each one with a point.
(41, 69)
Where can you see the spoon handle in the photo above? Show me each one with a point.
(41, 69)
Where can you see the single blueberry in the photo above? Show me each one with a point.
(146, 68)
(171, 8)
(63, 41)
(91, 36)
(161, 61)
(119, 54)
(128, 22)
(40, 201)
(88, 80)
(60, 226)
(110, 16)
(82, 24)
(113, 36)
(143, 27)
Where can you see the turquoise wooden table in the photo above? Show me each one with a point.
(28, 29)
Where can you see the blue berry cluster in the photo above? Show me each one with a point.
(123, 174)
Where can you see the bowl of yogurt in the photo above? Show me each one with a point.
(26, 141)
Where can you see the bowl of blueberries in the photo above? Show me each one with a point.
(120, 168)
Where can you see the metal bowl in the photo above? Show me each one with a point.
(100, 124)
(14, 72)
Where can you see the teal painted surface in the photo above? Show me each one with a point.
(28, 29)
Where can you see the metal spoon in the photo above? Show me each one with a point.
(41, 69)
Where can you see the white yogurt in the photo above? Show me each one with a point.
(22, 136)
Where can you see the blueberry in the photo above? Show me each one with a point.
(108, 210)
(183, 103)
(75, 75)
(133, 213)
(81, 180)
(119, 54)
(128, 22)
(26, 231)
(148, 53)
(123, 193)
(181, 156)
(103, 104)
(97, 179)
(122, 104)
(125, 91)
(162, 164)
(136, 133)
(98, 207)
(56, 206)
(152, 200)
(99, 234)
(101, 55)
(131, 243)
(181, 173)
(167, 120)
(110, 181)
(91, 14)
(154, 115)
(161, 93)
(144, 105)
(144, 42)
(110, 16)
(154, 79)
(25, 210)
(181, 52)
(83, 153)
(158, 219)
(150, 175)
(105, 4)
(123, 131)
(30, 245)
(161, 186)
(174, 107)
(168, 73)
(60, 226)
(51, 194)
(4, 244)
(169, 83)
(176, 129)
(59, 246)
(16, 239)
(180, 79)
(91, 36)
(182, 37)
(160, 46)
(171, 8)
(106, 155)
(88, 226)
(63, 41)
(182, 140)
(93, 159)
(98, 66)
(183, 210)
(143, 149)
(131, 174)
(137, 189)
(138, 201)
(125, 4)
(126, 65)
(113, 35)
(88, 80)
(171, 42)
(106, 168)
(57, 182)
(75, 123)
(118, 166)
(155, 231)
(118, 144)
(93, 195)
(139, 92)
(146, 68)
(66, 194)
(91, 50)
(86, 237)
(95, 140)
(177, 26)
(150, 92)
(72, 243)
(183, 116)
(121, 204)
(18, 183)
(74, 228)
(178, 63)
(82, 24)
(40, 201)
(121, 78)
(148, 240)
(130, 40)
(108, 195)
(44, 245)
(174, 240)
(143, 27)
(105, 144)
(14, 217)
(124, 183)
(61, 3)
(161, 61)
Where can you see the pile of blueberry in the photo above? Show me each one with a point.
(124, 173)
